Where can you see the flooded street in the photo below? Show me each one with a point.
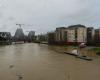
(41, 62)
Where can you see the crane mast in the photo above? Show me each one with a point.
(20, 25)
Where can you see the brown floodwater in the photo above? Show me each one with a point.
(42, 62)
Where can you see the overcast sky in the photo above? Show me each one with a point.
(45, 15)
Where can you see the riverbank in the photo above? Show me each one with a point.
(89, 51)
(96, 49)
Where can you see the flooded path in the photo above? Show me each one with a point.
(41, 62)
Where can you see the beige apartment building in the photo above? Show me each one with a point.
(77, 34)
(71, 34)
(81, 35)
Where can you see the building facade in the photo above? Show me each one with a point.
(97, 36)
(61, 35)
(77, 34)
(90, 35)
(70, 35)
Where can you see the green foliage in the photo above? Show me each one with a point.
(97, 49)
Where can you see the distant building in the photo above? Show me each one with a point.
(97, 36)
(90, 35)
(77, 34)
(51, 38)
(42, 38)
(5, 38)
(19, 35)
(31, 36)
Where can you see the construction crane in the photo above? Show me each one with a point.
(24, 25)
(20, 25)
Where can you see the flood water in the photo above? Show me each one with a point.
(41, 62)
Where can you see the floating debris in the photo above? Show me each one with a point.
(11, 66)
(20, 77)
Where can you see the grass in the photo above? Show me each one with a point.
(97, 49)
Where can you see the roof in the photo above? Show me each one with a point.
(61, 28)
(77, 26)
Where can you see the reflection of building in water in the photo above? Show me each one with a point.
(19, 35)
(5, 38)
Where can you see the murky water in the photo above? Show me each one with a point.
(41, 62)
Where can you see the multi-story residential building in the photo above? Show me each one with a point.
(70, 35)
(90, 35)
(97, 36)
(77, 34)
(61, 34)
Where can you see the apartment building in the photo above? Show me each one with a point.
(51, 38)
(70, 35)
(61, 34)
(90, 35)
(97, 36)
(77, 34)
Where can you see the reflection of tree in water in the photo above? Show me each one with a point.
(17, 73)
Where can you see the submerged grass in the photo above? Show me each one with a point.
(97, 49)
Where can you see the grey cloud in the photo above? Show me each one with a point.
(45, 15)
